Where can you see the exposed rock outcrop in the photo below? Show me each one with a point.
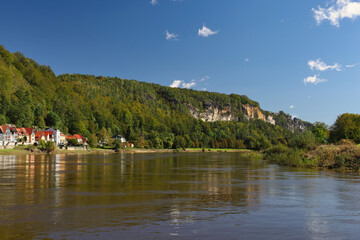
(251, 112)
(212, 112)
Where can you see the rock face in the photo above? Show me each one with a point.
(212, 112)
(296, 123)
(251, 112)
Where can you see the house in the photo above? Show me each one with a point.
(31, 135)
(7, 137)
(69, 137)
(23, 135)
(81, 139)
(62, 139)
(121, 138)
(15, 134)
(56, 135)
(44, 135)
(126, 144)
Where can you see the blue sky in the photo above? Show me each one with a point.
(301, 57)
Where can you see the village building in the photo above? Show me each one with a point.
(31, 135)
(56, 134)
(10, 135)
(44, 135)
(119, 137)
(62, 139)
(81, 139)
(127, 145)
(6, 136)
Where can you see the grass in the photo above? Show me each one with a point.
(217, 149)
(345, 155)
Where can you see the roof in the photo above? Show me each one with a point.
(78, 136)
(39, 134)
(70, 137)
(4, 128)
(22, 131)
(29, 130)
(117, 136)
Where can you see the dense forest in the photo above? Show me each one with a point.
(149, 115)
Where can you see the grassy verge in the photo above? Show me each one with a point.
(19, 150)
(217, 150)
(345, 156)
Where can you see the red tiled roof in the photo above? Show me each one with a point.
(39, 134)
(4, 128)
(29, 130)
(22, 131)
(70, 137)
(78, 136)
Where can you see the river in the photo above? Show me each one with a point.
(173, 196)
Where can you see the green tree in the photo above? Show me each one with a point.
(53, 120)
(320, 131)
(50, 147)
(346, 126)
(73, 142)
(92, 141)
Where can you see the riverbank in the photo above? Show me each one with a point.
(22, 150)
(344, 156)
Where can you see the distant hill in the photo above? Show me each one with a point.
(148, 114)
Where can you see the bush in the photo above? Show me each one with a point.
(305, 140)
(50, 147)
(118, 144)
(286, 156)
(42, 145)
(73, 142)
(348, 142)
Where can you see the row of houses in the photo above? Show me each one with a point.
(10, 135)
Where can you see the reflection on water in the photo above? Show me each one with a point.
(152, 196)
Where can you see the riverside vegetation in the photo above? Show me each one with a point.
(157, 117)
(321, 148)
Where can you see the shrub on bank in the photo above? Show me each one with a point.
(343, 156)
(282, 155)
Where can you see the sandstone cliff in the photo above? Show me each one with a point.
(213, 112)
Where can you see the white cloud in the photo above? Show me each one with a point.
(206, 32)
(154, 2)
(352, 65)
(321, 66)
(337, 11)
(247, 60)
(192, 83)
(182, 84)
(204, 78)
(171, 36)
(176, 83)
(291, 107)
(189, 84)
(314, 80)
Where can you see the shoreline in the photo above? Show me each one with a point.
(127, 151)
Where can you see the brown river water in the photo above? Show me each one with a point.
(173, 196)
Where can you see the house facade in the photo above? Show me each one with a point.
(11, 136)
(7, 137)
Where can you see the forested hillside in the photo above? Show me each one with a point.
(149, 115)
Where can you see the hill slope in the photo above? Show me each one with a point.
(148, 114)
